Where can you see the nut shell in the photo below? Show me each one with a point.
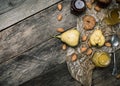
(83, 49)
(89, 5)
(89, 51)
(84, 38)
(108, 44)
(97, 8)
(64, 47)
(59, 17)
(74, 57)
(59, 6)
(60, 30)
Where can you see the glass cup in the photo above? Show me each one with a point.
(101, 59)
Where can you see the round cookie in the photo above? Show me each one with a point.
(88, 22)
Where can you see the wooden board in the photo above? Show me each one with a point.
(33, 31)
(60, 76)
(44, 58)
(32, 63)
(13, 11)
(44, 53)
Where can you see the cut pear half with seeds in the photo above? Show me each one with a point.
(70, 37)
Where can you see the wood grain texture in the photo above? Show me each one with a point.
(14, 12)
(59, 76)
(32, 63)
(43, 59)
(7, 5)
(34, 30)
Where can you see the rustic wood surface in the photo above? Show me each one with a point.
(38, 61)
(32, 63)
(34, 30)
(36, 53)
(13, 11)
(60, 76)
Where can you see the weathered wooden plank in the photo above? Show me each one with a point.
(60, 76)
(43, 58)
(7, 5)
(13, 11)
(31, 64)
(34, 30)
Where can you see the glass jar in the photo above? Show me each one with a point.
(77, 7)
(113, 16)
(101, 59)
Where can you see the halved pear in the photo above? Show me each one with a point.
(97, 38)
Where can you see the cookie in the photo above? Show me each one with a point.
(88, 22)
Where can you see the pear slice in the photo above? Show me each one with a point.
(70, 37)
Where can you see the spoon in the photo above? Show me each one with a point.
(115, 43)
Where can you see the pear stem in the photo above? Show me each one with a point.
(58, 36)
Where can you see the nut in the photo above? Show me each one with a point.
(84, 38)
(64, 47)
(89, 51)
(83, 49)
(59, 17)
(97, 8)
(89, 5)
(74, 57)
(92, 1)
(60, 30)
(108, 44)
(59, 6)
(118, 76)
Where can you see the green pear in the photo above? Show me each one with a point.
(70, 37)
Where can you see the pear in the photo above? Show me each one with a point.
(97, 38)
(70, 37)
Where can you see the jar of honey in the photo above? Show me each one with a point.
(112, 17)
(101, 59)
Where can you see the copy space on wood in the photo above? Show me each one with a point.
(13, 11)
(33, 31)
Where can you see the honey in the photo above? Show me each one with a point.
(101, 59)
(113, 17)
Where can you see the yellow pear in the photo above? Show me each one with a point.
(97, 38)
(70, 37)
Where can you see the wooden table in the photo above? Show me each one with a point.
(27, 50)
